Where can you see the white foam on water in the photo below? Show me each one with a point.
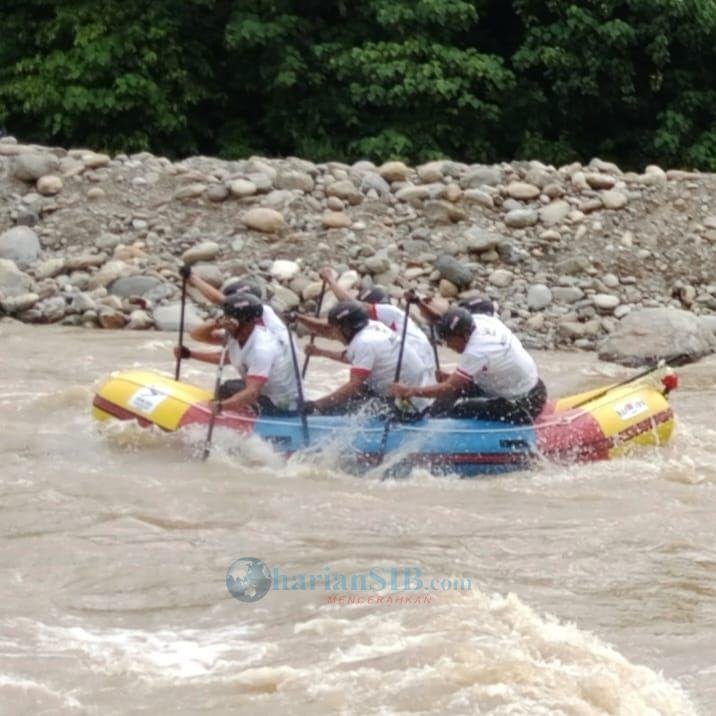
(161, 655)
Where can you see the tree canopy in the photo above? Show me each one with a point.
(477, 80)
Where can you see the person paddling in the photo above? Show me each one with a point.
(493, 367)
(372, 350)
(376, 301)
(268, 380)
(268, 318)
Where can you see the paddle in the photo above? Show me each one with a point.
(299, 383)
(184, 271)
(317, 314)
(217, 387)
(677, 360)
(409, 298)
(434, 344)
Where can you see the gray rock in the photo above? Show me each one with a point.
(17, 304)
(345, 190)
(614, 199)
(501, 278)
(371, 180)
(645, 336)
(479, 197)
(31, 166)
(573, 265)
(567, 294)
(377, 264)
(216, 193)
(205, 251)
(554, 213)
(166, 318)
(521, 218)
(478, 240)
(293, 180)
(453, 270)
(139, 320)
(108, 241)
(710, 323)
(605, 301)
(539, 296)
(49, 268)
(284, 299)
(21, 245)
(133, 286)
(478, 176)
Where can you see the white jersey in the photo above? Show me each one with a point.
(373, 353)
(279, 330)
(495, 360)
(265, 358)
(393, 317)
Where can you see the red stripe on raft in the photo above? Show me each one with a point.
(119, 412)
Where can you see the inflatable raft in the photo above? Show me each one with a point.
(597, 425)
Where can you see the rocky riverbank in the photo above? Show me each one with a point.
(568, 252)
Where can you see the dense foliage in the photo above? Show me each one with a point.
(478, 80)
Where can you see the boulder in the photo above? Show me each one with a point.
(133, 286)
(283, 270)
(294, 180)
(554, 213)
(453, 270)
(478, 240)
(336, 220)
(477, 176)
(31, 166)
(166, 318)
(522, 190)
(205, 251)
(49, 185)
(21, 245)
(13, 282)
(268, 221)
(648, 335)
(539, 296)
(521, 218)
(394, 171)
(501, 278)
(614, 199)
(242, 187)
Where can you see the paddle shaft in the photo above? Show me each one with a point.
(217, 388)
(627, 381)
(299, 386)
(398, 367)
(434, 344)
(181, 328)
(317, 314)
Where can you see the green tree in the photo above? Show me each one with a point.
(124, 75)
(628, 79)
(378, 79)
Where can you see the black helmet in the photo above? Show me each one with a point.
(455, 321)
(484, 306)
(243, 307)
(243, 286)
(349, 317)
(375, 294)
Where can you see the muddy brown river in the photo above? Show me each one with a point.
(592, 589)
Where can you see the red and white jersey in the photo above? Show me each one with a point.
(279, 330)
(265, 358)
(393, 317)
(496, 361)
(373, 353)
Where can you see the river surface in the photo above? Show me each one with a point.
(593, 588)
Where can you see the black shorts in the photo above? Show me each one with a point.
(473, 403)
(264, 405)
